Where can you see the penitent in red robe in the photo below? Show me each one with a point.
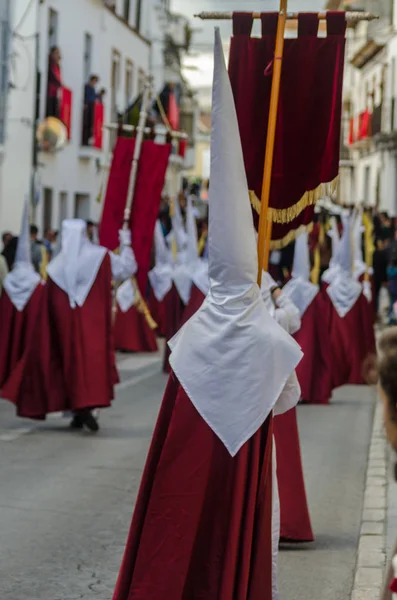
(352, 339)
(17, 330)
(132, 332)
(158, 312)
(82, 343)
(314, 370)
(23, 380)
(174, 310)
(295, 523)
(201, 528)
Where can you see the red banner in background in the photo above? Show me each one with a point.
(150, 181)
(66, 110)
(99, 113)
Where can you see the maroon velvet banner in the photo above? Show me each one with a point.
(150, 181)
(309, 113)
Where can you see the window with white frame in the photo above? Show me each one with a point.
(115, 85)
(129, 82)
(87, 56)
(52, 28)
(126, 10)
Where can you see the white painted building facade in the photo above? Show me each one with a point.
(369, 165)
(109, 38)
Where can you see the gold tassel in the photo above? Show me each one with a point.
(368, 243)
(44, 263)
(286, 215)
(201, 243)
(142, 307)
(315, 272)
(290, 237)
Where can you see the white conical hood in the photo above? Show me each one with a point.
(191, 230)
(301, 264)
(179, 232)
(299, 289)
(360, 266)
(330, 274)
(75, 268)
(23, 279)
(344, 291)
(23, 253)
(160, 276)
(231, 357)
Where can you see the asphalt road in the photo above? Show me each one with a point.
(66, 498)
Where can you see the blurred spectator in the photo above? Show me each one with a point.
(380, 270)
(36, 248)
(6, 237)
(48, 241)
(392, 284)
(91, 231)
(101, 95)
(54, 84)
(10, 251)
(90, 97)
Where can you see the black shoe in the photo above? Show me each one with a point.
(76, 423)
(89, 421)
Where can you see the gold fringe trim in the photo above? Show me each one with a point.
(290, 237)
(142, 307)
(201, 243)
(286, 215)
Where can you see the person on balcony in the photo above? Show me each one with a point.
(54, 85)
(90, 98)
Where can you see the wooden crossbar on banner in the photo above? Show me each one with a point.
(351, 16)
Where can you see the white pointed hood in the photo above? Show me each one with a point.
(187, 258)
(160, 276)
(299, 289)
(198, 267)
(22, 281)
(76, 267)
(329, 275)
(358, 229)
(232, 358)
(344, 291)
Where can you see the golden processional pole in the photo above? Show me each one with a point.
(265, 224)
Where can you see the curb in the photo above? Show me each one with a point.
(371, 554)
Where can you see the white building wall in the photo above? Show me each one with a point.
(16, 152)
(73, 170)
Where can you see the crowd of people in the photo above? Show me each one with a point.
(223, 482)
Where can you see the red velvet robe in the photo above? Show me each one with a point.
(352, 339)
(201, 528)
(17, 329)
(295, 523)
(158, 312)
(82, 341)
(315, 367)
(132, 332)
(174, 310)
(23, 356)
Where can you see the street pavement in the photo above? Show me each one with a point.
(66, 498)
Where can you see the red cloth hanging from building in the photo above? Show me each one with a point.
(66, 110)
(173, 112)
(98, 125)
(309, 114)
(352, 135)
(364, 125)
(149, 185)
